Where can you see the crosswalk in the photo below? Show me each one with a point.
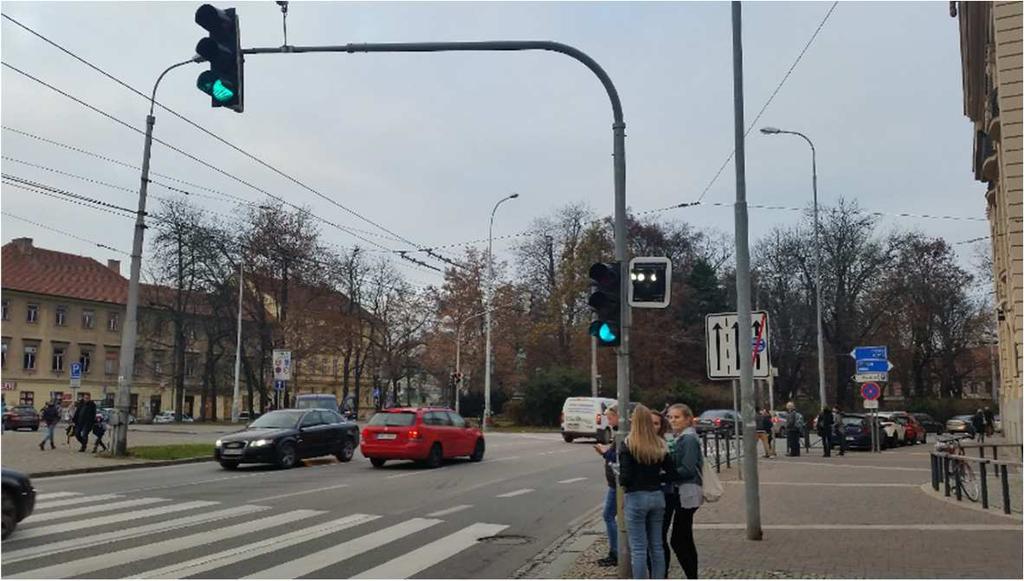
(151, 537)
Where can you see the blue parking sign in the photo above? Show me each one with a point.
(76, 370)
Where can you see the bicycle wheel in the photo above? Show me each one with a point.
(969, 484)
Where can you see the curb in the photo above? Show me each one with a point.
(937, 495)
(115, 467)
(561, 555)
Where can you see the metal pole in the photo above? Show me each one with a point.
(752, 496)
(119, 428)
(817, 277)
(487, 318)
(458, 365)
(235, 404)
(736, 423)
(593, 367)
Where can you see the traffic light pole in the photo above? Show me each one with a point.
(119, 426)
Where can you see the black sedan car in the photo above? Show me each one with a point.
(284, 437)
(720, 421)
(857, 432)
(931, 425)
(22, 416)
(19, 498)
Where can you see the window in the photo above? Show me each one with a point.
(88, 318)
(436, 419)
(158, 363)
(323, 366)
(7, 310)
(113, 321)
(27, 398)
(85, 358)
(32, 315)
(311, 419)
(3, 363)
(190, 364)
(110, 363)
(29, 361)
(62, 315)
(457, 420)
(58, 357)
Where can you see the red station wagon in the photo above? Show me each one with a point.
(428, 435)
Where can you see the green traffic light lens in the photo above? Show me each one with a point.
(215, 87)
(606, 333)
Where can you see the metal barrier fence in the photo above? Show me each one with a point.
(945, 466)
(723, 446)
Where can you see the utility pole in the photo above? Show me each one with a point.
(749, 463)
(235, 403)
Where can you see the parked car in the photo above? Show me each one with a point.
(22, 416)
(895, 432)
(108, 413)
(722, 421)
(284, 437)
(857, 431)
(326, 401)
(779, 423)
(960, 425)
(19, 499)
(425, 434)
(931, 425)
(583, 417)
(167, 417)
(913, 430)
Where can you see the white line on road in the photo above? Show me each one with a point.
(49, 495)
(836, 484)
(519, 492)
(65, 514)
(266, 498)
(67, 526)
(82, 567)
(238, 554)
(862, 527)
(580, 479)
(77, 500)
(504, 459)
(451, 510)
(432, 553)
(858, 466)
(336, 554)
(402, 475)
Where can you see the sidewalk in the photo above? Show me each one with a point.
(859, 516)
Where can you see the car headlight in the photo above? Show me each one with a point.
(261, 442)
(216, 444)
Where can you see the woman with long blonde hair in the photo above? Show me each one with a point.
(645, 464)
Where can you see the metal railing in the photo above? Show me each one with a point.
(946, 466)
(723, 446)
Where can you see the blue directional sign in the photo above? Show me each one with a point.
(76, 370)
(279, 385)
(872, 365)
(878, 352)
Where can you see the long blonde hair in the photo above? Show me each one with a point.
(644, 443)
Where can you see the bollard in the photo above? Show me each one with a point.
(959, 487)
(935, 472)
(728, 446)
(995, 467)
(1006, 490)
(945, 473)
(718, 455)
(984, 484)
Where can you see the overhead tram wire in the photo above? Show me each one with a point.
(68, 234)
(224, 141)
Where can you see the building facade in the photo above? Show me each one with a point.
(990, 48)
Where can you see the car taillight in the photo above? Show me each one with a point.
(414, 434)
(718, 421)
(366, 433)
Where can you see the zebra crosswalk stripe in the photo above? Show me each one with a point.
(344, 551)
(63, 527)
(431, 554)
(64, 514)
(77, 500)
(82, 567)
(49, 495)
(237, 554)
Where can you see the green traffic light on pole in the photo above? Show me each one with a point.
(215, 87)
(605, 332)
(222, 49)
(605, 300)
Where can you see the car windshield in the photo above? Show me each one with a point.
(852, 420)
(393, 419)
(278, 419)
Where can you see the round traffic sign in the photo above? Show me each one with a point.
(870, 390)
(759, 345)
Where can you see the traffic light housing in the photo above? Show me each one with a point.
(605, 300)
(222, 49)
(650, 282)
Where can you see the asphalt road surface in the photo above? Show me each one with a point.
(322, 519)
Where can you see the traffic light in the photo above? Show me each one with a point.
(650, 282)
(605, 301)
(223, 50)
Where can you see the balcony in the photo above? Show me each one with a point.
(994, 126)
(986, 162)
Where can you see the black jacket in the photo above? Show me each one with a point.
(764, 423)
(645, 477)
(85, 417)
(825, 421)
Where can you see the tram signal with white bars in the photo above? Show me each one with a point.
(723, 349)
(650, 282)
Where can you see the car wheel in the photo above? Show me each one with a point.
(568, 439)
(286, 457)
(348, 449)
(436, 456)
(10, 516)
(228, 465)
(377, 462)
(478, 451)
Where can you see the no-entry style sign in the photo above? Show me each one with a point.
(870, 391)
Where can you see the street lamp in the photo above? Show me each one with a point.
(817, 255)
(490, 291)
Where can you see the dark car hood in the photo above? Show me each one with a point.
(257, 433)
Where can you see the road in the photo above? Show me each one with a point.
(321, 520)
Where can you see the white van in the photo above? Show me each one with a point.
(583, 417)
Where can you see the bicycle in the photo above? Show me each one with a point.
(960, 471)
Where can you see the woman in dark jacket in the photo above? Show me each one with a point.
(689, 466)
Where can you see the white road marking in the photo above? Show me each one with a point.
(42, 506)
(858, 466)
(519, 492)
(94, 540)
(402, 475)
(836, 484)
(64, 514)
(238, 554)
(862, 527)
(266, 498)
(504, 459)
(571, 480)
(67, 526)
(336, 554)
(82, 567)
(451, 510)
(49, 495)
(431, 554)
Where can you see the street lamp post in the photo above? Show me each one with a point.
(817, 255)
(487, 311)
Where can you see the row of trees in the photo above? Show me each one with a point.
(902, 289)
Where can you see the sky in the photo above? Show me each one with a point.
(425, 144)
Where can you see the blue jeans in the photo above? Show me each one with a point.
(49, 433)
(645, 512)
(609, 522)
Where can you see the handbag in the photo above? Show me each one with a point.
(711, 485)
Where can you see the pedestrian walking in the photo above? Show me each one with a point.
(85, 418)
(689, 495)
(644, 464)
(98, 430)
(50, 417)
(764, 432)
(826, 428)
(978, 422)
(794, 427)
(840, 430)
(608, 452)
(990, 421)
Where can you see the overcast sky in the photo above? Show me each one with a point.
(425, 144)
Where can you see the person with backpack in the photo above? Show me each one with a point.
(794, 428)
(98, 430)
(50, 417)
(684, 449)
